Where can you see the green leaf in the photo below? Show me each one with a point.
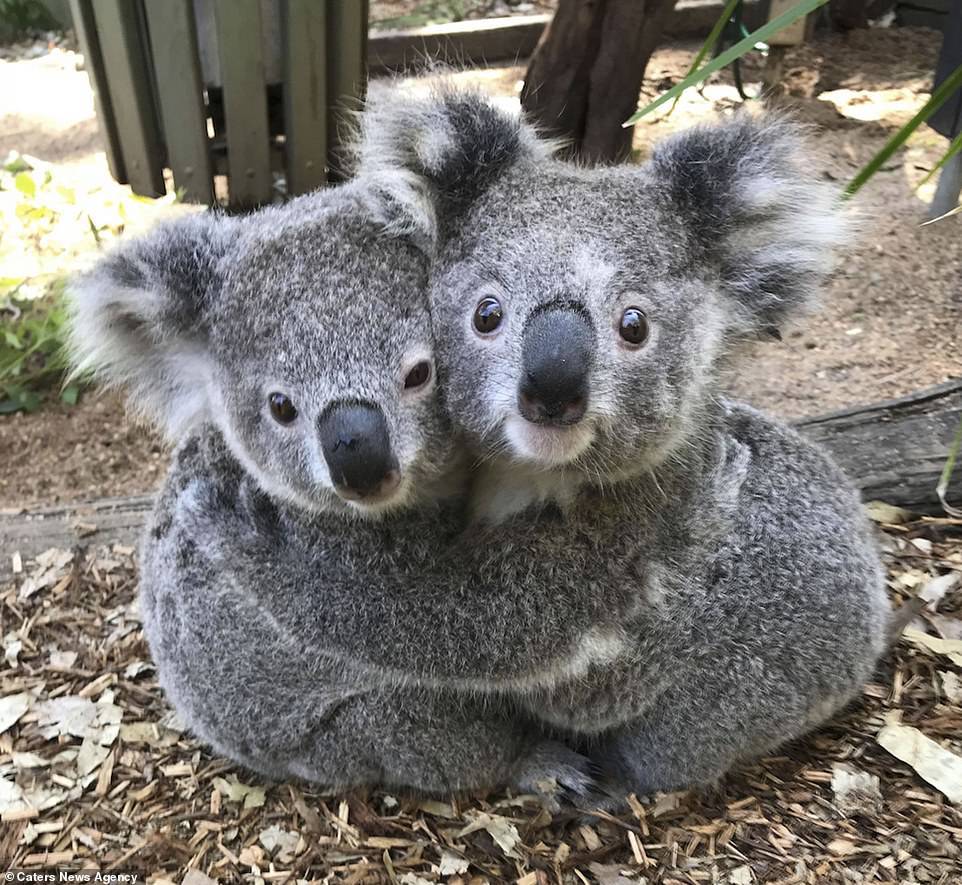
(744, 45)
(25, 184)
(70, 395)
(11, 339)
(942, 488)
(954, 147)
(17, 164)
(939, 98)
(708, 45)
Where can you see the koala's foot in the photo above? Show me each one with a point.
(560, 777)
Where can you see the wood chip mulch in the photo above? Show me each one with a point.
(95, 772)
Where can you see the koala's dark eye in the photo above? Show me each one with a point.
(488, 315)
(418, 376)
(634, 326)
(282, 408)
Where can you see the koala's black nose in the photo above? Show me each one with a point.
(557, 354)
(357, 448)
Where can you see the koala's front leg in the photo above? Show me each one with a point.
(261, 699)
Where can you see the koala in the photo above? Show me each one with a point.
(585, 319)
(592, 309)
(309, 603)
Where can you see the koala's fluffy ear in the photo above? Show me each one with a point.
(747, 192)
(456, 139)
(138, 318)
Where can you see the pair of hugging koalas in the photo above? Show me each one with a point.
(457, 502)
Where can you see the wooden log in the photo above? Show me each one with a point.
(894, 451)
(584, 78)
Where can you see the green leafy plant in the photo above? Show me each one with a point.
(31, 348)
(48, 230)
(430, 12)
(743, 46)
(19, 18)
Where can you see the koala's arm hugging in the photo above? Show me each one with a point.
(531, 602)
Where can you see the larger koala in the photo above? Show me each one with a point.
(584, 318)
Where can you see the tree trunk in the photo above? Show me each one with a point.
(847, 15)
(585, 75)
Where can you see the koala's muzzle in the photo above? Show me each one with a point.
(357, 448)
(556, 358)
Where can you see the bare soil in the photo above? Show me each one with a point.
(891, 318)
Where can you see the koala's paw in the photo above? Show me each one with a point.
(561, 777)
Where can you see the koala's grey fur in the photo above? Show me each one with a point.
(698, 584)
(756, 630)
(325, 299)
(721, 237)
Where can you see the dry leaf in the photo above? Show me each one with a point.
(28, 760)
(234, 791)
(946, 627)
(934, 591)
(951, 648)
(12, 708)
(91, 756)
(856, 792)
(504, 833)
(452, 864)
(195, 877)
(280, 844)
(71, 715)
(151, 733)
(842, 847)
(741, 876)
(933, 763)
(886, 514)
(612, 874)
(12, 646)
(62, 660)
(951, 685)
(438, 809)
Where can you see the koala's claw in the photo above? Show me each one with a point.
(560, 777)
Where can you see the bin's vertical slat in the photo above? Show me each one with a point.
(128, 76)
(305, 94)
(245, 100)
(346, 73)
(180, 93)
(86, 29)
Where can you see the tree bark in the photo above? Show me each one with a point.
(847, 15)
(585, 75)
